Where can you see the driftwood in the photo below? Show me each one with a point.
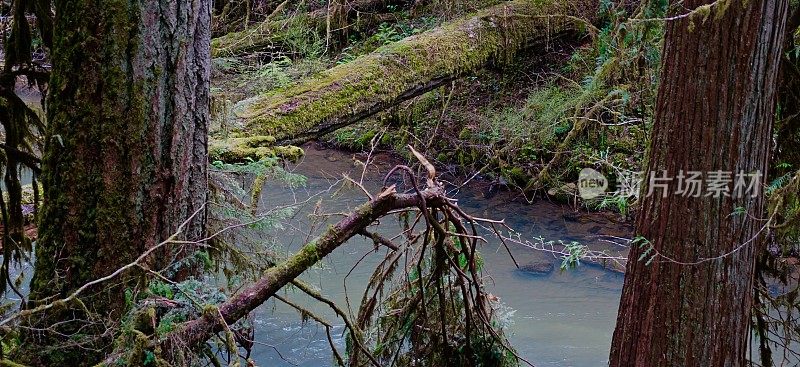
(402, 70)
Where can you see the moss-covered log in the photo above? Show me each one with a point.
(402, 70)
(254, 147)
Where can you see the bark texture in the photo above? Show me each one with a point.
(715, 111)
(402, 70)
(125, 157)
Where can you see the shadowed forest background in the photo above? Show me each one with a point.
(399, 183)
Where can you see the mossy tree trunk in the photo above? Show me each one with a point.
(715, 110)
(125, 158)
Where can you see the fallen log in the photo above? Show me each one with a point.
(402, 70)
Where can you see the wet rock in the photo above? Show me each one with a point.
(595, 230)
(610, 265)
(537, 267)
(571, 217)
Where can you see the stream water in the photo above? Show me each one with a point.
(560, 319)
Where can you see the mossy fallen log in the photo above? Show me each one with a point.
(266, 36)
(402, 70)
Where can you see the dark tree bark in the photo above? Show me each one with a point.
(715, 111)
(125, 157)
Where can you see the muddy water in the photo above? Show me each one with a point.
(560, 319)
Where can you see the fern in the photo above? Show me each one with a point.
(778, 183)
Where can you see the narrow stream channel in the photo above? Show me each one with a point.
(560, 319)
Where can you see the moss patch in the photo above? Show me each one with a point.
(251, 148)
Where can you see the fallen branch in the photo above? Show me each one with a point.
(193, 334)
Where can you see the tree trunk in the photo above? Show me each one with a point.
(788, 136)
(691, 305)
(125, 157)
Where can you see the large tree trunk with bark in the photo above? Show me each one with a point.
(125, 158)
(405, 69)
(687, 302)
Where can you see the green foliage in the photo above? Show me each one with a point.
(538, 122)
(303, 39)
(242, 253)
(273, 74)
(387, 33)
(575, 252)
(354, 138)
(168, 322)
(160, 289)
(620, 203)
(266, 167)
(149, 358)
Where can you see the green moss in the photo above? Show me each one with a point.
(285, 33)
(310, 252)
(255, 147)
(517, 176)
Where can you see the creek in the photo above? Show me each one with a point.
(561, 318)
